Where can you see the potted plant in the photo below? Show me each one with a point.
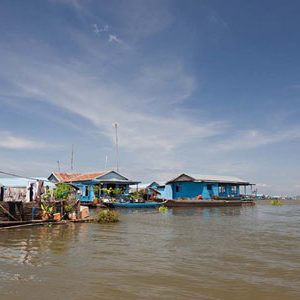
(47, 210)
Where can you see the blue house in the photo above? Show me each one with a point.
(86, 182)
(207, 187)
(159, 187)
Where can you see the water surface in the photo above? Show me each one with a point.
(211, 253)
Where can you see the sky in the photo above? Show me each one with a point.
(195, 86)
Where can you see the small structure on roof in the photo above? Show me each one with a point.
(93, 185)
(203, 186)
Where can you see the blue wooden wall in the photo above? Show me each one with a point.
(185, 189)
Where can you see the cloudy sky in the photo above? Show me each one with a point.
(207, 87)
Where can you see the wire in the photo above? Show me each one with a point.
(19, 176)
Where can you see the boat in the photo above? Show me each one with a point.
(134, 204)
(208, 203)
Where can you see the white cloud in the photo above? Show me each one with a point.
(253, 138)
(151, 129)
(10, 141)
(23, 168)
(140, 19)
(76, 4)
(154, 129)
(145, 93)
(262, 185)
(96, 29)
(113, 38)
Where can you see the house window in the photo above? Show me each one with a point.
(86, 191)
(234, 189)
(209, 187)
(222, 189)
(177, 188)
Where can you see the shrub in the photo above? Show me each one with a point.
(163, 209)
(107, 216)
(276, 202)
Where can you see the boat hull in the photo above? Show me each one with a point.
(207, 203)
(135, 204)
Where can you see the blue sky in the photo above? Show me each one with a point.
(207, 87)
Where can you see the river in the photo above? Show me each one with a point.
(212, 253)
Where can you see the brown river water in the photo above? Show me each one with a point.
(211, 253)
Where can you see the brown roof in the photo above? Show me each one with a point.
(70, 177)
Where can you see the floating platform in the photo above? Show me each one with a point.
(208, 203)
(134, 204)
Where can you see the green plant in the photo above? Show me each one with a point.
(116, 192)
(107, 216)
(47, 194)
(276, 202)
(107, 191)
(68, 208)
(47, 208)
(62, 191)
(163, 209)
(137, 194)
(96, 190)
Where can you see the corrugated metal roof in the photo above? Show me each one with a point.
(183, 175)
(70, 177)
(218, 178)
(76, 177)
(116, 180)
(87, 176)
(210, 178)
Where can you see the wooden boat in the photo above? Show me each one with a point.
(15, 224)
(208, 203)
(134, 204)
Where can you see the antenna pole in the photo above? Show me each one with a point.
(72, 158)
(105, 162)
(117, 147)
(58, 166)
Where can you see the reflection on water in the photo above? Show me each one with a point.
(194, 253)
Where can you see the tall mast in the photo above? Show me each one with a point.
(106, 158)
(72, 158)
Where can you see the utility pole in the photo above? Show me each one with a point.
(58, 166)
(72, 158)
(117, 147)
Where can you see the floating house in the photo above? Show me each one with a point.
(21, 189)
(158, 186)
(203, 186)
(1, 192)
(93, 185)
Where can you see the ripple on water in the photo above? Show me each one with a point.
(220, 253)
